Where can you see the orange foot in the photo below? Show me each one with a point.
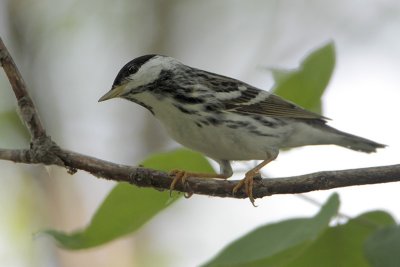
(248, 181)
(180, 175)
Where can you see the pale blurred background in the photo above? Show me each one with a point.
(70, 51)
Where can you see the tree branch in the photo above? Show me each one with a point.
(265, 187)
(44, 151)
(25, 103)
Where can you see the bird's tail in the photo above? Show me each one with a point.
(354, 142)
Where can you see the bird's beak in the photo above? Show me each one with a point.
(115, 92)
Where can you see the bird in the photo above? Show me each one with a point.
(223, 118)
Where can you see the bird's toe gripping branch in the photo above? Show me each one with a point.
(181, 175)
(248, 180)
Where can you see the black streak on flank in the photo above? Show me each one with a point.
(236, 124)
(184, 110)
(269, 123)
(213, 121)
(130, 68)
(204, 122)
(253, 129)
(259, 133)
(212, 107)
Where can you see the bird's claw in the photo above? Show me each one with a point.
(178, 176)
(247, 182)
(182, 176)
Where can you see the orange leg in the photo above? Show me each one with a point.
(181, 175)
(248, 180)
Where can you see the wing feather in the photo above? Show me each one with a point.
(256, 101)
(252, 100)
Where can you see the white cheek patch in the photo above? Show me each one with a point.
(145, 75)
(150, 71)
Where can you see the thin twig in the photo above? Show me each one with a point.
(25, 103)
(44, 151)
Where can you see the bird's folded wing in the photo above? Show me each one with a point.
(255, 101)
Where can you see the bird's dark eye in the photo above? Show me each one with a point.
(124, 74)
(133, 69)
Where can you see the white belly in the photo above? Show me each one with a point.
(220, 141)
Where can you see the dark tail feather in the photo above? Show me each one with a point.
(360, 144)
(355, 142)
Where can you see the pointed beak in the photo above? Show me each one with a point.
(115, 92)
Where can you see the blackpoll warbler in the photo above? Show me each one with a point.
(223, 118)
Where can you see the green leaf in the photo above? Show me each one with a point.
(281, 75)
(127, 207)
(305, 85)
(275, 244)
(13, 133)
(342, 245)
(382, 247)
(182, 159)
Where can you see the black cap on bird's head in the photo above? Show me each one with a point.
(138, 72)
(131, 68)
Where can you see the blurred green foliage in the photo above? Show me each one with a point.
(382, 247)
(13, 133)
(128, 207)
(308, 242)
(343, 244)
(276, 244)
(306, 84)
